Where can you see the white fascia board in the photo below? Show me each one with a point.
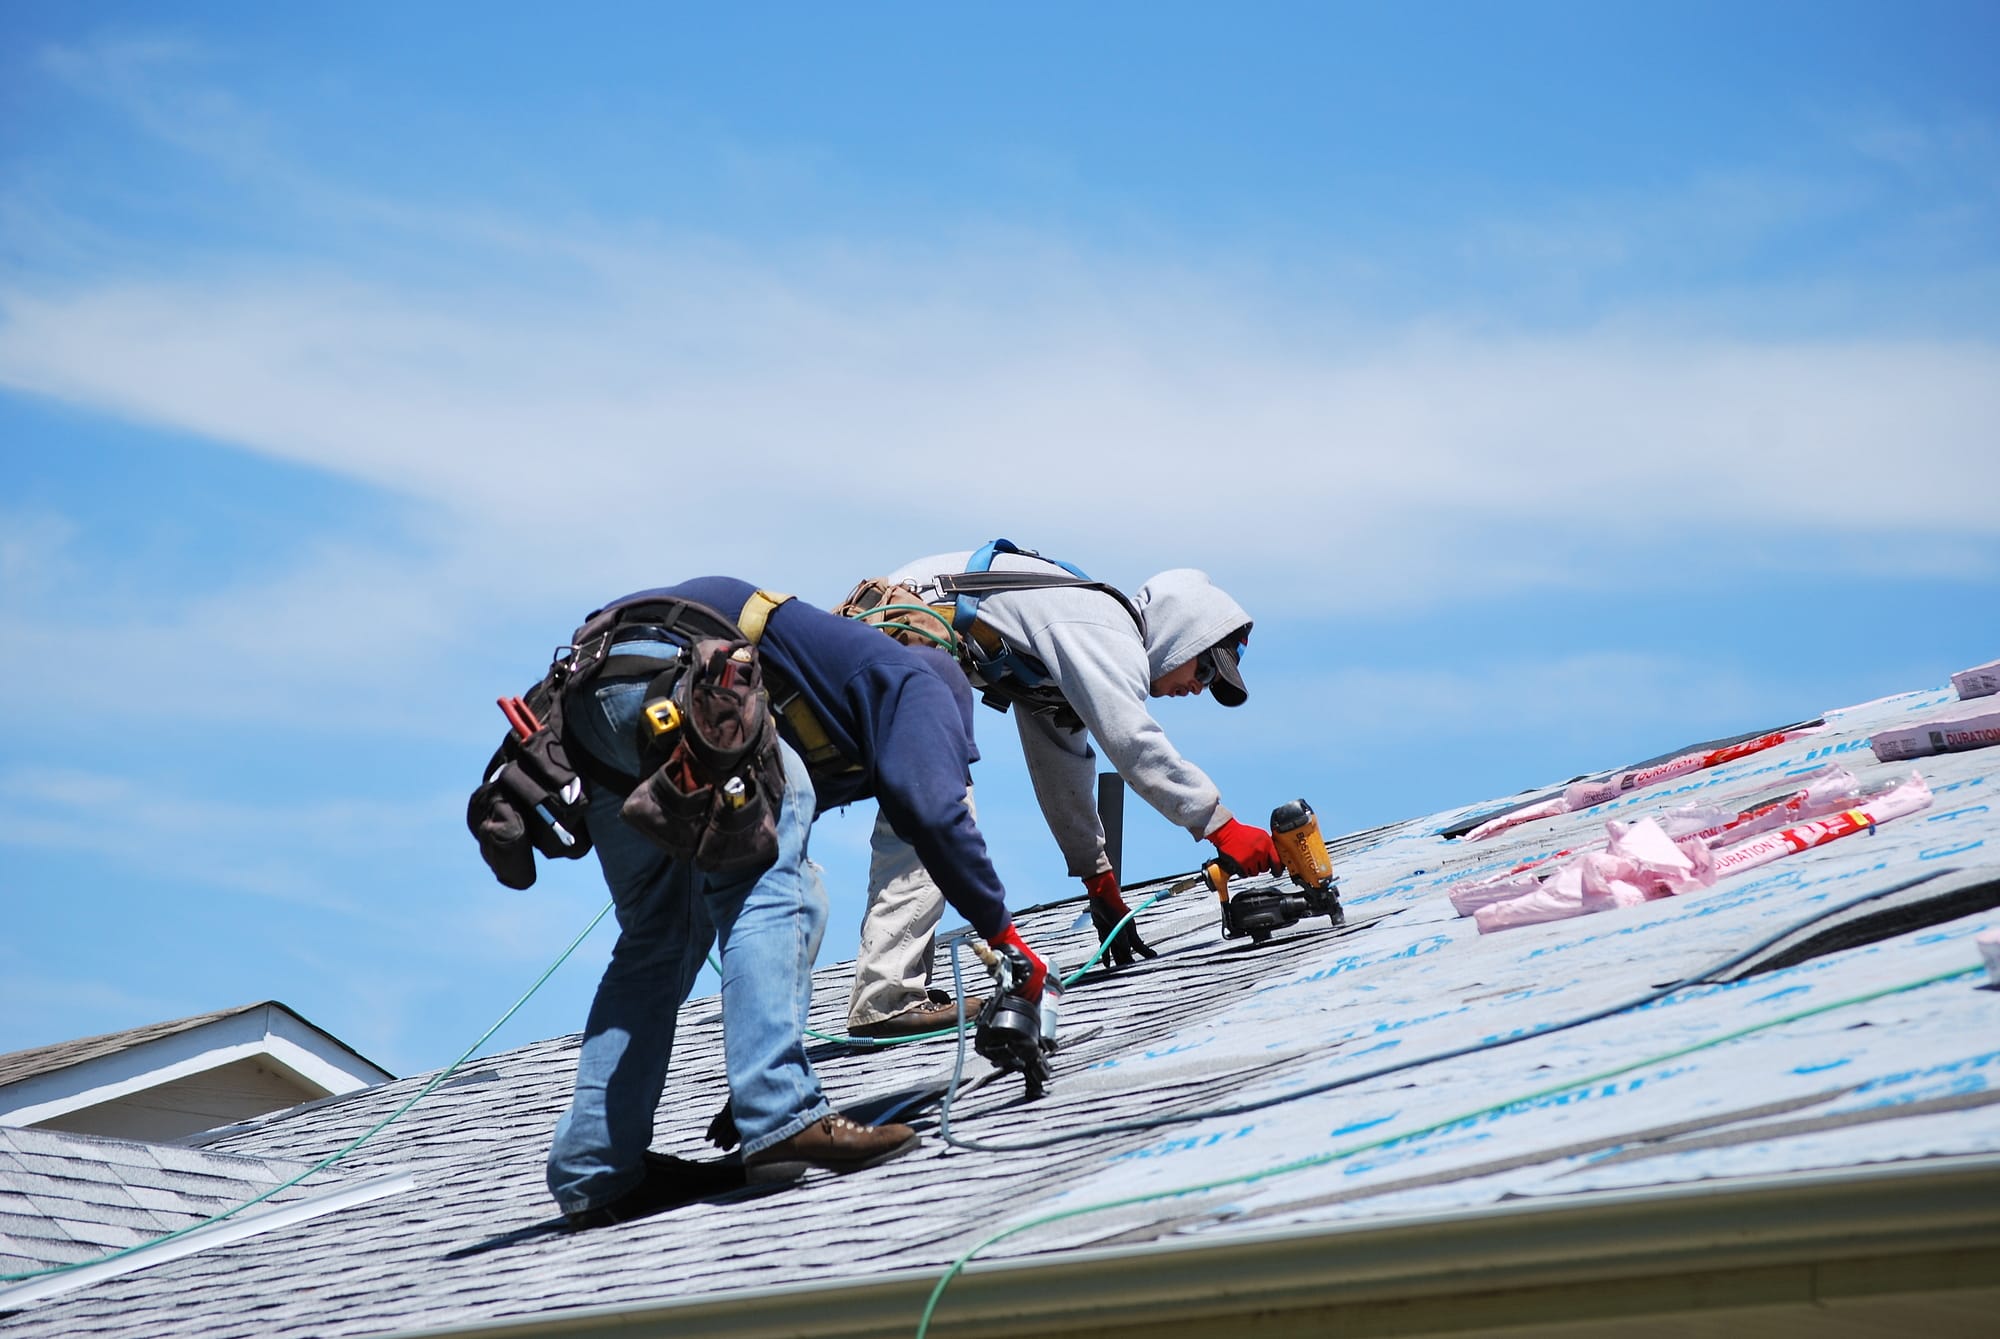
(316, 1057)
(267, 1032)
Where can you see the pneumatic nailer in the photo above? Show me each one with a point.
(1255, 912)
(1018, 1034)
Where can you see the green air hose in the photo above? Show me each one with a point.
(325, 1163)
(948, 643)
(453, 1067)
(1337, 1155)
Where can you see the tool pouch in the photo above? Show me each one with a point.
(713, 774)
(532, 800)
(900, 612)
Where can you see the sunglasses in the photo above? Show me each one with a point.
(1205, 668)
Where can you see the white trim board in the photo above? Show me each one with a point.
(268, 1032)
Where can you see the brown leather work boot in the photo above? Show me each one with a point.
(668, 1183)
(835, 1143)
(929, 1017)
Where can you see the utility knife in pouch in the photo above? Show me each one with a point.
(532, 800)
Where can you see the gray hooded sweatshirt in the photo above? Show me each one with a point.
(1095, 655)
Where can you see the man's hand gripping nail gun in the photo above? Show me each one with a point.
(1017, 1028)
(1294, 841)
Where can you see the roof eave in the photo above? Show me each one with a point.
(270, 1032)
(1929, 1227)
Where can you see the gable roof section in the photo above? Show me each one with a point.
(38, 1060)
(1822, 1135)
(55, 1082)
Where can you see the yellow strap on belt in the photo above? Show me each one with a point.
(816, 745)
(757, 612)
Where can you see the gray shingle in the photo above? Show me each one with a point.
(71, 1210)
(108, 1236)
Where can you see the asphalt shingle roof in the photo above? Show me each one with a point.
(69, 1197)
(1618, 1104)
(16, 1066)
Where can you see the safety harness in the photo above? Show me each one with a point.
(997, 662)
(1005, 677)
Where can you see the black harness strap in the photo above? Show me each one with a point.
(995, 583)
(998, 665)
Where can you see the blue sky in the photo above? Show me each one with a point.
(1557, 384)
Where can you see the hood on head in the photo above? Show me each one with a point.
(1186, 613)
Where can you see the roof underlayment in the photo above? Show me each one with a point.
(1812, 1128)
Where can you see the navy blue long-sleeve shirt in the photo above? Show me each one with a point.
(904, 714)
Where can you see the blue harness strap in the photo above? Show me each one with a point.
(1005, 663)
(967, 607)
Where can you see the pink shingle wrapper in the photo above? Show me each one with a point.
(1829, 790)
(1513, 818)
(1641, 862)
(1900, 800)
(1584, 794)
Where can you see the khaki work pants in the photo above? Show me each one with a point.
(892, 969)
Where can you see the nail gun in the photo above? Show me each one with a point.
(1256, 912)
(1017, 1034)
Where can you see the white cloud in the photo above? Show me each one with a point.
(34, 551)
(1575, 693)
(694, 415)
(808, 429)
(1587, 708)
(148, 79)
(171, 827)
(574, 411)
(1717, 215)
(1962, 147)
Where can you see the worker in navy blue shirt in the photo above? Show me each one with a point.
(898, 720)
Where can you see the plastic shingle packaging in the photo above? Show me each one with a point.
(1826, 791)
(1974, 727)
(1979, 681)
(1642, 861)
(1583, 795)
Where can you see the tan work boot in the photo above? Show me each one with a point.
(835, 1143)
(938, 1014)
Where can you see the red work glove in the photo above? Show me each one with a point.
(1248, 848)
(1107, 908)
(1030, 972)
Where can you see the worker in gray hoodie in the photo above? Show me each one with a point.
(1075, 661)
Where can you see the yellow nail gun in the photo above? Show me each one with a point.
(1256, 912)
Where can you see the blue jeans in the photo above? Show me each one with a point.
(669, 912)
